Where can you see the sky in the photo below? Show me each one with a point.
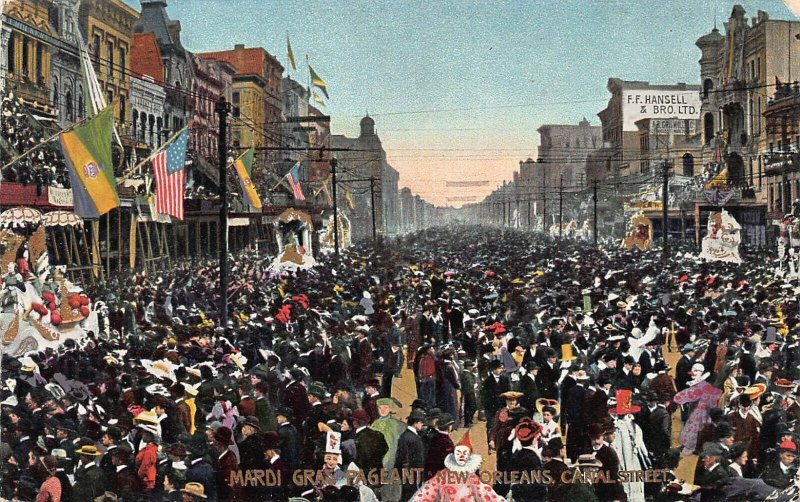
(458, 88)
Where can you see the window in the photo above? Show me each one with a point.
(110, 98)
(110, 59)
(688, 164)
(708, 128)
(70, 112)
(55, 93)
(708, 86)
(39, 63)
(121, 63)
(96, 48)
(758, 69)
(159, 128)
(25, 57)
(771, 195)
(81, 108)
(122, 104)
(134, 121)
(11, 64)
(752, 70)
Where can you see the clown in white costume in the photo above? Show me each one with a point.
(457, 482)
(629, 442)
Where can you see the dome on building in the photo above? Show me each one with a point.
(367, 126)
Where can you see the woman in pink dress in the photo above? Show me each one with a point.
(704, 395)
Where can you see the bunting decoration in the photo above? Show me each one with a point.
(349, 199)
(244, 168)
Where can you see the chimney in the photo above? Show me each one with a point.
(238, 47)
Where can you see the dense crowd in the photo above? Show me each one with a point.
(557, 346)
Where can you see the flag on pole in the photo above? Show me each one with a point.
(324, 188)
(290, 53)
(93, 97)
(87, 152)
(318, 99)
(244, 168)
(349, 199)
(294, 181)
(317, 82)
(169, 173)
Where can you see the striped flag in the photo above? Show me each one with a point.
(317, 82)
(294, 181)
(168, 168)
(289, 52)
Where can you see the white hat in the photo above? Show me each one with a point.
(333, 443)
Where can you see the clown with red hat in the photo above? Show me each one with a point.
(458, 481)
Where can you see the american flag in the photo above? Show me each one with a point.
(294, 181)
(168, 169)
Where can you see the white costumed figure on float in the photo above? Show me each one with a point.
(458, 482)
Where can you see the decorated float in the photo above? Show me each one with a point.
(293, 231)
(39, 306)
(640, 233)
(722, 240)
(326, 238)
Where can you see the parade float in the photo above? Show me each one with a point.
(640, 233)
(39, 306)
(326, 239)
(722, 239)
(293, 231)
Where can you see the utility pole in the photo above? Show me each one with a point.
(529, 213)
(223, 108)
(664, 208)
(561, 207)
(544, 201)
(372, 198)
(594, 219)
(334, 163)
(786, 194)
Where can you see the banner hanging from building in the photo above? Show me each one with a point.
(640, 104)
(721, 243)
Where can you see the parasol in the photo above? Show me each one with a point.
(62, 219)
(20, 217)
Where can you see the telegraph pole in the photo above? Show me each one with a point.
(223, 108)
(544, 201)
(787, 189)
(561, 207)
(664, 207)
(372, 198)
(594, 219)
(334, 163)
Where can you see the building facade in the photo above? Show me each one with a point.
(212, 79)
(178, 69)
(65, 67)
(108, 25)
(147, 92)
(27, 42)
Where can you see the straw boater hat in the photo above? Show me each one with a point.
(195, 490)
(755, 391)
(511, 395)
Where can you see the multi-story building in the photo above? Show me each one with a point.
(563, 150)
(319, 143)
(66, 82)
(673, 140)
(257, 96)
(108, 25)
(212, 79)
(377, 180)
(147, 92)
(27, 43)
(295, 136)
(178, 68)
(782, 157)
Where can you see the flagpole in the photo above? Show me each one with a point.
(153, 154)
(66, 129)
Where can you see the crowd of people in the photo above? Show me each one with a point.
(560, 348)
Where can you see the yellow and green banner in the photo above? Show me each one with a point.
(87, 152)
(244, 166)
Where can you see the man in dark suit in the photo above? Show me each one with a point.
(411, 451)
(659, 428)
(89, 479)
(317, 415)
(264, 409)
(495, 384)
(558, 488)
(601, 436)
(370, 400)
(200, 471)
(125, 482)
(273, 461)
(391, 366)
(548, 375)
(683, 366)
(296, 397)
(574, 414)
(528, 385)
(441, 446)
(290, 449)
(468, 378)
(780, 473)
(250, 452)
(370, 444)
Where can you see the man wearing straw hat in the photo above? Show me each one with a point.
(89, 479)
(193, 492)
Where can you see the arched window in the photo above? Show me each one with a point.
(55, 94)
(708, 86)
(142, 126)
(708, 128)
(151, 121)
(688, 164)
(159, 127)
(81, 107)
(70, 114)
(134, 121)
